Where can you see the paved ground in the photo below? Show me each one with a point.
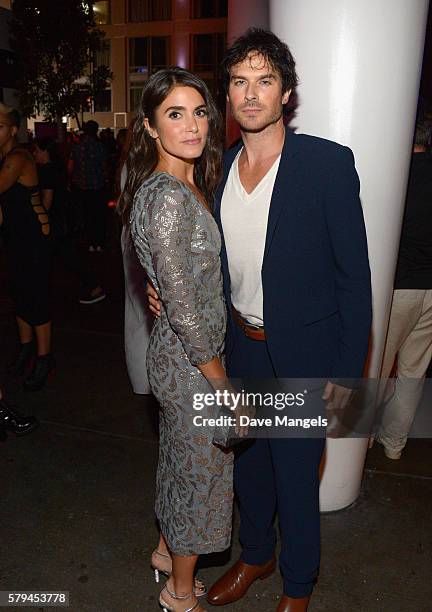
(78, 493)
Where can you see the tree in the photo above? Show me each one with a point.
(56, 44)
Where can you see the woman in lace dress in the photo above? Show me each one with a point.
(174, 166)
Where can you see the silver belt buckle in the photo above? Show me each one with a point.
(258, 327)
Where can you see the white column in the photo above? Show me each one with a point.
(359, 64)
(243, 14)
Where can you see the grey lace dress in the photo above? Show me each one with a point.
(178, 243)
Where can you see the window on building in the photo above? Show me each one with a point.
(8, 69)
(149, 10)
(146, 55)
(207, 53)
(102, 101)
(101, 12)
(103, 55)
(208, 9)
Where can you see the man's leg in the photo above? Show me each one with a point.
(101, 211)
(296, 462)
(255, 488)
(256, 494)
(83, 199)
(254, 485)
(91, 205)
(414, 357)
(77, 262)
(405, 312)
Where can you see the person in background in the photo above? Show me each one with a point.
(56, 198)
(28, 244)
(122, 147)
(122, 140)
(138, 320)
(109, 142)
(88, 168)
(409, 337)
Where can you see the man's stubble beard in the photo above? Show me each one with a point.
(256, 129)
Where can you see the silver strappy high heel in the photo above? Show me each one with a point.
(166, 607)
(200, 588)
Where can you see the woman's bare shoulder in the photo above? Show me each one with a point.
(20, 154)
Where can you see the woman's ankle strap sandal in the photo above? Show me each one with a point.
(166, 607)
(200, 588)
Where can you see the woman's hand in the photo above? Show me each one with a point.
(215, 374)
(153, 299)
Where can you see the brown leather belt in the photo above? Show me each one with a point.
(251, 331)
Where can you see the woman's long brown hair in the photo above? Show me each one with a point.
(143, 155)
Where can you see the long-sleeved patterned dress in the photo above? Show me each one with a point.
(178, 243)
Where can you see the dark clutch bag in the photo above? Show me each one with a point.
(224, 433)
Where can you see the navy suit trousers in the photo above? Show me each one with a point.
(277, 476)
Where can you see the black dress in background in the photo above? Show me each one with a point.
(27, 236)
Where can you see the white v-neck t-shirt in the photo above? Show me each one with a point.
(244, 219)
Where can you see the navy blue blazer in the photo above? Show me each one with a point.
(315, 271)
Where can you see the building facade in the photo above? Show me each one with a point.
(8, 70)
(143, 36)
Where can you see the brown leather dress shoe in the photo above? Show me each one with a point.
(236, 581)
(293, 604)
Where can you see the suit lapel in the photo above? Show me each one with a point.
(280, 195)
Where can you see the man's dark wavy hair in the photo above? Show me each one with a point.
(267, 44)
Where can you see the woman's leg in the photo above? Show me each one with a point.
(178, 592)
(161, 558)
(162, 562)
(25, 331)
(43, 338)
(44, 363)
(183, 573)
(162, 546)
(25, 354)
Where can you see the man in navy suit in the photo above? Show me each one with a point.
(297, 287)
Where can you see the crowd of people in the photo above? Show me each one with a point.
(54, 205)
(257, 268)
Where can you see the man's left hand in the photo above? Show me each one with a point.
(336, 396)
(337, 399)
